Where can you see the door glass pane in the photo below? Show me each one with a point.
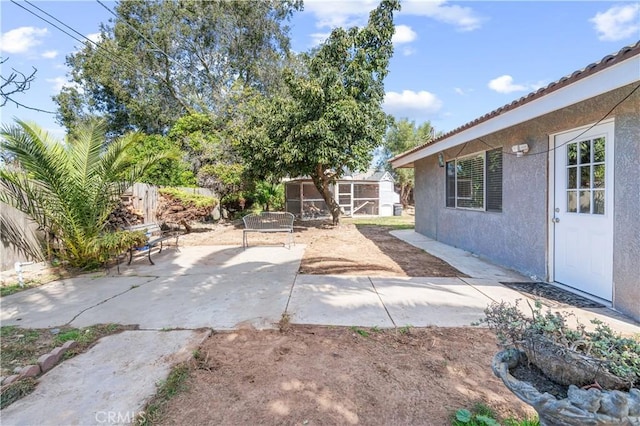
(572, 201)
(598, 176)
(572, 178)
(585, 177)
(585, 152)
(598, 150)
(598, 202)
(585, 201)
(572, 154)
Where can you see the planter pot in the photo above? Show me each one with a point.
(568, 367)
(581, 407)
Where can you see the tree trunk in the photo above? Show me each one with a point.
(405, 191)
(321, 182)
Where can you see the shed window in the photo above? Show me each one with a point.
(475, 181)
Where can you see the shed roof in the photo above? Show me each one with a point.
(622, 68)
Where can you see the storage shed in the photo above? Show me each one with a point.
(358, 195)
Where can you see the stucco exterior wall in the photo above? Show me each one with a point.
(518, 237)
(626, 227)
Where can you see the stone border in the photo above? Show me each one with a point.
(45, 363)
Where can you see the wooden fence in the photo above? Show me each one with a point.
(19, 239)
(143, 196)
(145, 199)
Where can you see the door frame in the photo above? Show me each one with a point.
(551, 193)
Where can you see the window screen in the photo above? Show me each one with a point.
(494, 180)
(475, 182)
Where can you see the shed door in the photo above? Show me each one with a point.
(583, 210)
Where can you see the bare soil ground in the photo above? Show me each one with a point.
(310, 375)
(349, 248)
(306, 375)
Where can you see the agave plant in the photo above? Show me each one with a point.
(68, 188)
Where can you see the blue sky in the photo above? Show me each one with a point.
(453, 62)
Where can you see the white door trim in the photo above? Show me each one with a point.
(551, 191)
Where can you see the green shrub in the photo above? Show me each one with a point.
(189, 199)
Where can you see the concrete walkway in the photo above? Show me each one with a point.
(223, 288)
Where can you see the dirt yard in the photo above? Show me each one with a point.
(306, 375)
(310, 375)
(348, 249)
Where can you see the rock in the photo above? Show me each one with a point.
(615, 404)
(58, 352)
(634, 402)
(55, 331)
(70, 344)
(17, 370)
(30, 371)
(10, 379)
(588, 400)
(47, 362)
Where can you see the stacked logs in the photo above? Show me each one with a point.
(124, 216)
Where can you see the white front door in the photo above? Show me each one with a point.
(583, 210)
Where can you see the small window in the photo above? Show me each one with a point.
(475, 181)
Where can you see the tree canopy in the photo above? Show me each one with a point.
(330, 118)
(159, 60)
(401, 136)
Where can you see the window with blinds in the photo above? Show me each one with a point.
(475, 181)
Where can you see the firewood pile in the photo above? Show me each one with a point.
(123, 216)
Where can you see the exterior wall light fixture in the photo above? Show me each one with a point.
(520, 150)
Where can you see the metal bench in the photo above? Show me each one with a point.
(268, 222)
(156, 236)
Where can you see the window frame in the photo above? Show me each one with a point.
(485, 178)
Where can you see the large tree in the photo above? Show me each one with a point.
(401, 136)
(159, 60)
(331, 118)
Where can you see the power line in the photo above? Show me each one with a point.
(575, 137)
(152, 43)
(101, 49)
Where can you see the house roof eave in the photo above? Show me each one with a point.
(612, 72)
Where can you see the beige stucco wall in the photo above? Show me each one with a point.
(518, 237)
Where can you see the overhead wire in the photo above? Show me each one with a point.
(100, 48)
(547, 151)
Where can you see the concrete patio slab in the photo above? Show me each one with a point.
(219, 301)
(101, 386)
(201, 286)
(59, 302)
(194, 260)
(422, 302)
(336, 300)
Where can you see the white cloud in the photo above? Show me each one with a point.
(58, 83)
(459, 91)
(504, 84)
(411, 104)
(618, 22)
(462, 17)
(20, 40)
(318, 38)
(408, 50)
(94, 37)
(50, 54)
(404, 34)
(331, 13)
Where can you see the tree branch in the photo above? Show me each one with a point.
(17, 82)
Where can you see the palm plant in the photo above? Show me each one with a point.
(68, 188)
